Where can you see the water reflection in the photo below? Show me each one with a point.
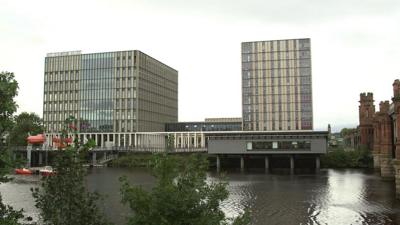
(330, 197)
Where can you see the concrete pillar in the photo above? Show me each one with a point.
(136, 141)
(266, 163)
(218, 164)
(241, 163)
(317, 163)
(105, 155)
(396, 165)
(195, 140)
(188, 140)
(182, 144)
(291, 164)
(29, 156)
(40, 158)
(377, 161)
(203, 140)
(387, 169)
(124, 139)
(97, 141)
(102, 140)
(94, 158)
(175, 141)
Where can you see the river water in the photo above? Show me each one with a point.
(329, 197)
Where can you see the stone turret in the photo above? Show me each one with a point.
(385, 140)
(396, 89)
(366, 116)
(384, 107)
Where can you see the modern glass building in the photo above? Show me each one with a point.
(112, 92)
(277, 85)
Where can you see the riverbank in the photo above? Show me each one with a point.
(335, 158)
(139, 160)
(347, 158)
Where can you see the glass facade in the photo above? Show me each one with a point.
(277, 85)
(102, 91)
(96, 97)
(203, 126)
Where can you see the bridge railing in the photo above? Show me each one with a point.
(118, 149)
(147, 149)
(34, 148)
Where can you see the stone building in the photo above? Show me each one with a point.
(379, 131)
(366, 115)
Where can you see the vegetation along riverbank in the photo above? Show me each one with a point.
(347, 158)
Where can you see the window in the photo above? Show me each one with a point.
(249, 146)
(278, 145)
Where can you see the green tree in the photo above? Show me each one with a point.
(340, 158)
(170, 142)
(8, 90)
(25, 124)
(181, 196)
(63, 198)
(347, 131)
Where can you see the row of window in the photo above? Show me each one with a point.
(277, 126)
(62, 76)
(276, 72)
(61, 86)
(278, 145)
(61, 96)
(276, 45)
(272, 64)
(60, 106)
(276, 98)
(273, 56)
(277, 108)
(262, 93)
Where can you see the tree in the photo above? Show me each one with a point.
(8, 90)
(170, 142)
(181, 196)
(64, 199)
(25, 123)
(346, 131)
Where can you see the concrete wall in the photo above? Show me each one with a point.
(227, 146)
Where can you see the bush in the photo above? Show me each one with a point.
(132, 161)
(340, 158)
(181, 196)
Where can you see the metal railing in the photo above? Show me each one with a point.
(118, 149)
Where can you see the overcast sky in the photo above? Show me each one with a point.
(355, 46)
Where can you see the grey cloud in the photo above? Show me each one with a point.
(304, 11)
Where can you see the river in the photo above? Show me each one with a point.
(331, 196)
